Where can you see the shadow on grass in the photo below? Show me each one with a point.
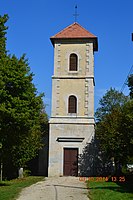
(126, 187)
(4, 184)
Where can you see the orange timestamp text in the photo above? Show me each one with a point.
(101, 178)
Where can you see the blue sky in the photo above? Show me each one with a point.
(32, 22)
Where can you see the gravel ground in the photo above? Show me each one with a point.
(56, 188)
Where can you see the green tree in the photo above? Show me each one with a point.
(115, 129)
(126, 128)
(3, 29)
(109, 101)
(115, 134)
(130, 85)
(20, 108)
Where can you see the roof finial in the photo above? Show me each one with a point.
(76, 14)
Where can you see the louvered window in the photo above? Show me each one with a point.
(72, 104)
(73, 62)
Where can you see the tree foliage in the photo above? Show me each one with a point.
(3, 29)
(110, 101)
(114, 129)
(130, 85)
(21, 107)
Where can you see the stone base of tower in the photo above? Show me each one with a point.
(66, 137)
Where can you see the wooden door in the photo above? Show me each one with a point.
(70, 162)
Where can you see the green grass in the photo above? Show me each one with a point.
(110, 190)
(9, 190)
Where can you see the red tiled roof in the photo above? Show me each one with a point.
(74, 31)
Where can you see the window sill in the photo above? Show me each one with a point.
(72, 114)
(73, 72)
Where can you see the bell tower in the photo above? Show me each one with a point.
(72, 116)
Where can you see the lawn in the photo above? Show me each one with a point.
(9, 190)
(102, 190)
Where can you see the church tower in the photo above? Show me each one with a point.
(72, 117)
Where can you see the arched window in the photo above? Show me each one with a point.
(73, 62)
(72, 104)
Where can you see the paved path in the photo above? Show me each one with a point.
(57, 188)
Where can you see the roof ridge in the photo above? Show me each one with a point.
(85, 29)
(74, 30)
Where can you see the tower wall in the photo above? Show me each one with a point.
(75, 130)
(71, 130)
